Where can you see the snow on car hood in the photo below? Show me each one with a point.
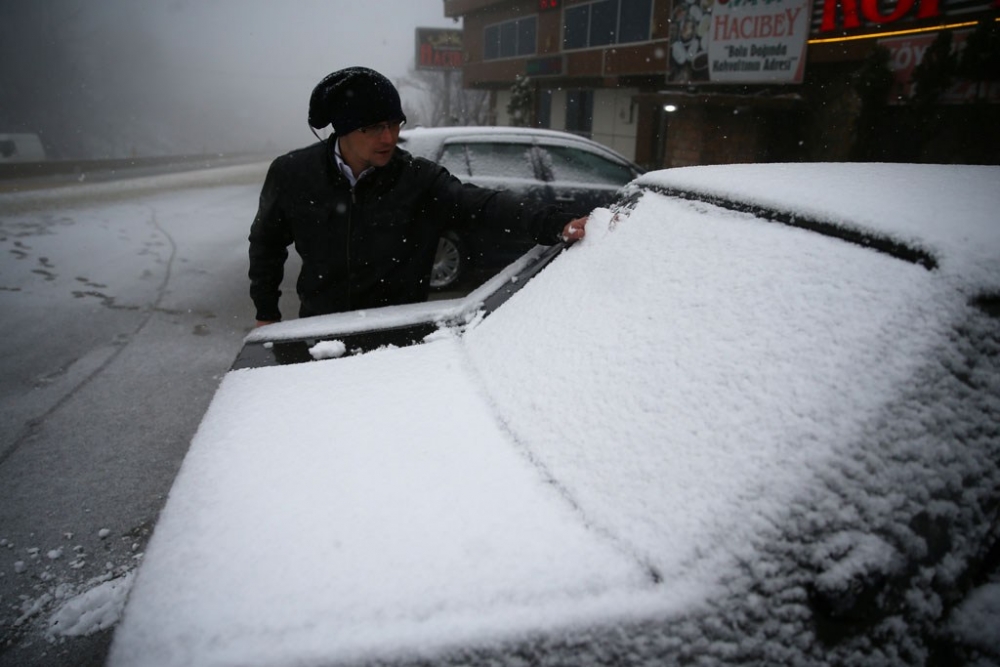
(339, 509)
(626, 438)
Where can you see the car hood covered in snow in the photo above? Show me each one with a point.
(697, 435)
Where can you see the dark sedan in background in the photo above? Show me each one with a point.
(546, 166)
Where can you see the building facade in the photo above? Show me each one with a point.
(683, 82)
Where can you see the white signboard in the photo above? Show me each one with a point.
(740, 41)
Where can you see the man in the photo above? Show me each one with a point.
(364, 215)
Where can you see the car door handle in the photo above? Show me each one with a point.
(566, 198)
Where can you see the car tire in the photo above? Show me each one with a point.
(449, 262)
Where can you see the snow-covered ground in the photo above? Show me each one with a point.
(123, 305)
(697, 436)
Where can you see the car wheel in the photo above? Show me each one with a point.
(449, 262)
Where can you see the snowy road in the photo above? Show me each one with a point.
(122, 306)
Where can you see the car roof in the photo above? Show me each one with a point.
(492, 130)
(426, 135)
(947, 212)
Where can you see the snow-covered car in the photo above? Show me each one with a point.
(546, 166)
(752, 418)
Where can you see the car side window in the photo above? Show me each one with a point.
(454, 160)
(504, 160)
(564, 163)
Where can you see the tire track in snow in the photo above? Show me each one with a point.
(34, 425)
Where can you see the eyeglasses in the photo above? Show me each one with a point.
(378, 128)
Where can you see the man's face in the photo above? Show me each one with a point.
(370, 146)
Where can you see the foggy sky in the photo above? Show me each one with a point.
(112, 78)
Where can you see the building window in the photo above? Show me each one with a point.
(577, 22)
(526, 40)
(511, 38)
(605, 22)
(543, 109)
(580, 112)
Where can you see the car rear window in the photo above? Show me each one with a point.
(453, 159)
(505, 160)
(570, 164)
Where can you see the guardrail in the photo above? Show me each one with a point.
(55, 168)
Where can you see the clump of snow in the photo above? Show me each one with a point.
(328, 349)
(97, 607)
(60, 597)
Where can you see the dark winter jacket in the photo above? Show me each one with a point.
(374, 246)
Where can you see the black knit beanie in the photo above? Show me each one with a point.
(352, 98)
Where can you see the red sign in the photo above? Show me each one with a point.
(439, 48)
(870, 12)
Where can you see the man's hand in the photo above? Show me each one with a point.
(575, 229)
(264, 323)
